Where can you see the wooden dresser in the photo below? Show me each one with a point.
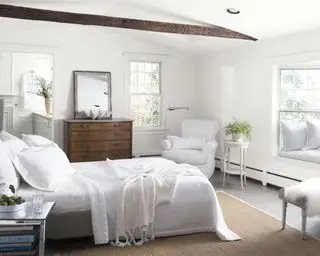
(95, 140)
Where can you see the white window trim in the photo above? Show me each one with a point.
(146, 57)
(279, 110)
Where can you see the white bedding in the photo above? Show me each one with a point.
(195, 207)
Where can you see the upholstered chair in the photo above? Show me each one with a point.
(197, 145)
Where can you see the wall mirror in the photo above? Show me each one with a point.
(92, 95)
(26, 84)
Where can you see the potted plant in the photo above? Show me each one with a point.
(44, 89)
(239, 130)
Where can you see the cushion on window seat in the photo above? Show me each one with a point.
(304, 155)
(194, 157)
(293, 136)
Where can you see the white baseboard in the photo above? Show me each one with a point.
(264, 176)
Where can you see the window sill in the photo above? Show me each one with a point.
(152, 130)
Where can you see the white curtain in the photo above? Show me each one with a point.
(26, 79)
(1, 114)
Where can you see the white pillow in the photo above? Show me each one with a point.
(8, 175)
(293, 136)
(186, 142)
(35, 140)
(44, 167)
(313, 138)
(12, 144)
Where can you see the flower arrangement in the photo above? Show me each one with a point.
(238, 129)
(44, 87)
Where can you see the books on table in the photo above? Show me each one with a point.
(33, 252)
(14, 241)
(16, 228)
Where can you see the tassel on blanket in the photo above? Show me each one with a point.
(146, 235)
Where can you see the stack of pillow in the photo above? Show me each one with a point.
(302, 136)
(35, 159)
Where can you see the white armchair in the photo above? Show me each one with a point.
(197, 146)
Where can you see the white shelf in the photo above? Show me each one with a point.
(235, 171)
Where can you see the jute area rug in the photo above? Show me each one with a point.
(260, 233)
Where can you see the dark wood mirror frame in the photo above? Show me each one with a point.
(76, 90)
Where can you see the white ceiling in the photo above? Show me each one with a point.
(258, 18)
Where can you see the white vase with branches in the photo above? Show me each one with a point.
(44, 89)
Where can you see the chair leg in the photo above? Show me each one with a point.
(284, 213)
(304, 223)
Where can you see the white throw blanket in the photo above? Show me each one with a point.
(309, 188)
(143, 188)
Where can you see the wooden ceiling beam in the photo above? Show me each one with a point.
(26, 13)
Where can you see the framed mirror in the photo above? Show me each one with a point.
(92, 95)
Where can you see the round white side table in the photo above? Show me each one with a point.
(241, 170)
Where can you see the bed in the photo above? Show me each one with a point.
(195, 207)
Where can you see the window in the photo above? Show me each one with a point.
(145, 94)
(299, 95)
(299, 100)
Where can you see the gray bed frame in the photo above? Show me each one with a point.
(69, 225)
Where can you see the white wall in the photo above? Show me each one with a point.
(242, 83)
(94, 48)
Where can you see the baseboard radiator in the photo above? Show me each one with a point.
(264, 176)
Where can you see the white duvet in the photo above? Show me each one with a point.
(95, 188)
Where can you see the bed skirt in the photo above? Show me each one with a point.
(69, 225)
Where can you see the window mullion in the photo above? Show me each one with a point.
(146, 113)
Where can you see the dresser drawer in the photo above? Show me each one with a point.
(100, 126)
(100, 135)
(100, 146)
(98, 156)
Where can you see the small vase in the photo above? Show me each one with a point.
(237, 137)
(47, 102)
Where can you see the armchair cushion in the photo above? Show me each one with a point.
(210, 147)
(166, 144)
(193, 157)
(187, 142)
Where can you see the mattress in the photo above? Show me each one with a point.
(192, 192)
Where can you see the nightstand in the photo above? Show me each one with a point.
(25, 227)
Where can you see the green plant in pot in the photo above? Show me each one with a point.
(239, 130)
(44, 89)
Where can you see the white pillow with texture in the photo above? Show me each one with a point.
(293, 136)
(35, 140)
(187, 142)
(8, 175)
(12, 144)
(44, 167)
(313, 131)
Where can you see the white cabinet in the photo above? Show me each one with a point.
(42, 125)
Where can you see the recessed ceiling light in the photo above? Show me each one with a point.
(233, 11)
